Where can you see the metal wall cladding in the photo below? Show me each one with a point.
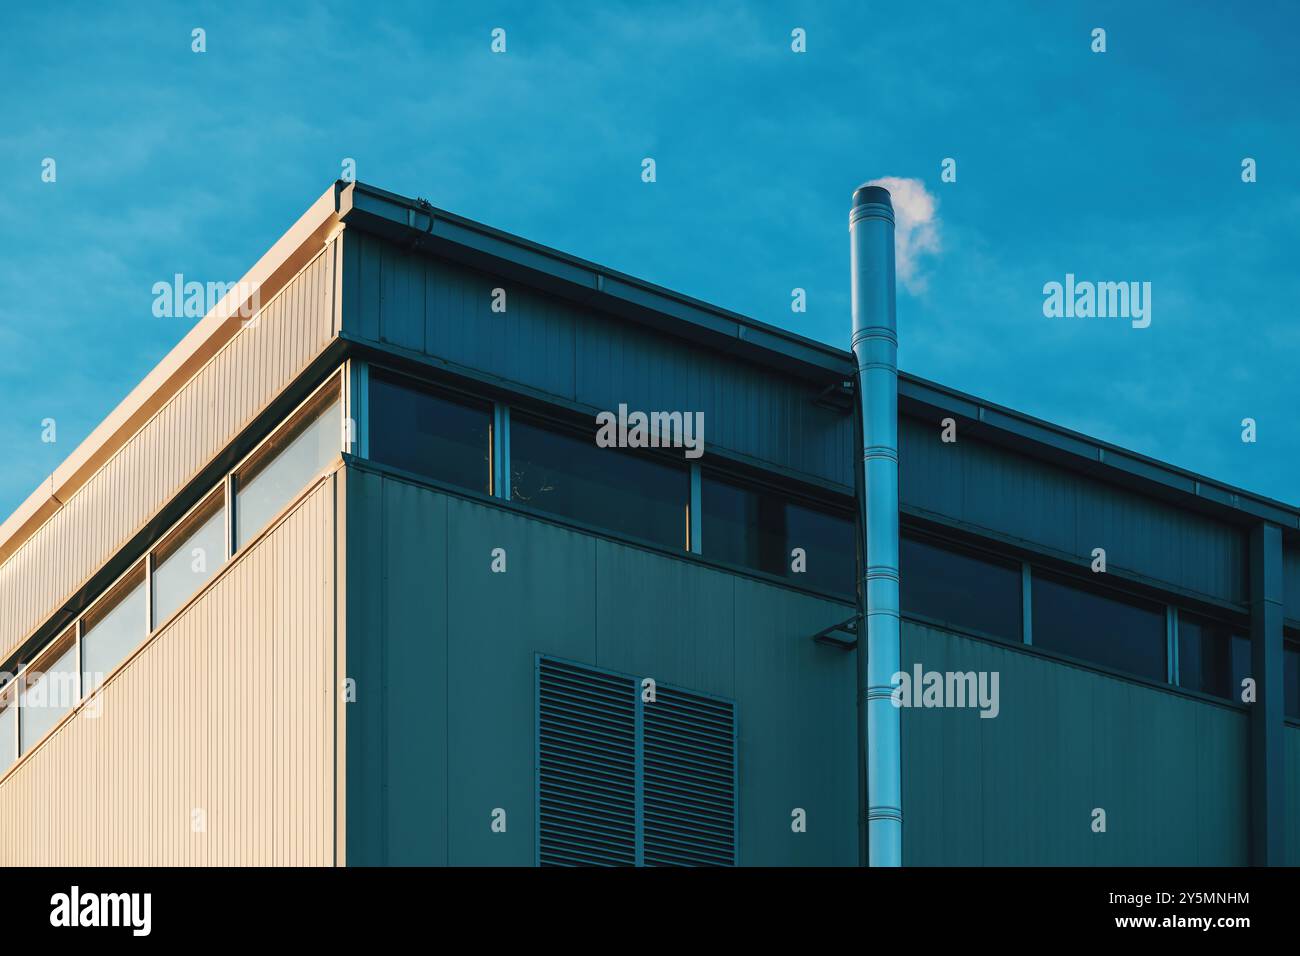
(179, 440)
(451, 738)
(438, 308)
(586, 766)
(1170, 772)
(1291, 749)
(1047, 506)
(229, 712)
(1291, 582)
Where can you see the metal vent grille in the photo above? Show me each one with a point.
(690, 780)
(586, 767)
(626, 783)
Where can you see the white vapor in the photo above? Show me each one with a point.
(916, 230)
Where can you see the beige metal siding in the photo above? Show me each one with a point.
(229, 710)
(185, 434)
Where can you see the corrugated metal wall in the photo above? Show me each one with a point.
(1291, 750)
(229, 711)
(1170, 772)
(442, 650)
(1291, 582)
(183, 437)
(441, 309)
(992, 489)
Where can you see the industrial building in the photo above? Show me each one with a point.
(350, 581)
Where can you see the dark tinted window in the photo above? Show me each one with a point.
(960, 589)
(1114, 631)
(1291, 679)
(760, 528)
(426, 432)
(1212, 657)
(567, 473)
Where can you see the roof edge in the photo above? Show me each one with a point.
(1051, 442)
(394, 216)
(279, 264)
(422, 225)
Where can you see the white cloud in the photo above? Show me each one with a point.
(916, 230)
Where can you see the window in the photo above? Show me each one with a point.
(1108, 629)
(598, 805)
(8, 725)
(49, 690)
(113, 628)
(1212, 657)
(188, 557)
(281, 468)
(567, 473)
(1291, 678)
(959, 589)
(760, 528)
(423, 431)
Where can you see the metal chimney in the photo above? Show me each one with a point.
(875, 348)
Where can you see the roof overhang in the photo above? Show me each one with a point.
(419, 225)
(282, 261)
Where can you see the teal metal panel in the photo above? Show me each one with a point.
(429, 306)
(396, 655)
(420, 304)
(363, 532)
(1291, 583)
(543, 603)
(1169, 771)
(1047, 507)
(414, 653)
(363, 264)
(798, 730)
(754, 411)
(1291, 757)
(451, 740)
(402, 289)
(667, 620)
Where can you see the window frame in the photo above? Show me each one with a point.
(69, 638)
(174, 536)
(794, 493)
(1234, 629)
(1291, 642)
(1119, 595)
(586, 430)
(9, 701)
(508, 406)
(262, 454)
(1009, 561)
(335, 378)
(1039, 565)
(456, 396)
(119, 589)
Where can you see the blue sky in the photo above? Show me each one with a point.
(1122, 166)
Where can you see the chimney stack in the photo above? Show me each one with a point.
(875, 349)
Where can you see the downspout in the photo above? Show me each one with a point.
(875, 349)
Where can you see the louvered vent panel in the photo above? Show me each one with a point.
(586, 748)
(689, 799)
